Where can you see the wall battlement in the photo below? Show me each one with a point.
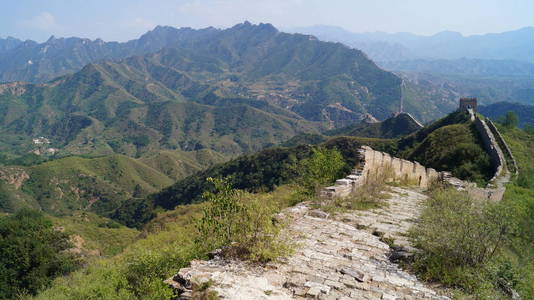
(379, 164)
(492, 148)
(509, 157)
(375, 164)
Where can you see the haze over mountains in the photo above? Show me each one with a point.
(512, 45)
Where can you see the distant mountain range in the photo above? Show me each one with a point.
(525, 113)
(233, 91)
(465, 67)
(437, 70)
(512, 45)
(39, 62)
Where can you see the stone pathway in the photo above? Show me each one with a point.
(341, 258)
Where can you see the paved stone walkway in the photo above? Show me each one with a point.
(337, 258)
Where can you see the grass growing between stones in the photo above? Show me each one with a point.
(202, 291)
(370, 195)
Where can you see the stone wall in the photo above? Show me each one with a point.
(487, 193)
(510, 160)
(492, 147)
(374, 164)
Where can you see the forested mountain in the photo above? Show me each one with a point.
(233, 91)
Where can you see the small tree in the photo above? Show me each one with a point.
(510, 120)
(323, 167)
(240, 222)
(217, 227)
(32, 253)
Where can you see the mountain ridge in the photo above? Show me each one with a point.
(511, 45)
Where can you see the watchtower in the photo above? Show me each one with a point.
(468, 103)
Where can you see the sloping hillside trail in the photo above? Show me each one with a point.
(342, 256)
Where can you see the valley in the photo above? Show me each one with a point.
(320, 163)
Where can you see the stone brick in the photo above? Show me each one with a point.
(314, 292)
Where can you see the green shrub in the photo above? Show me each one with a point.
(240, 222)
(32, 253)
(322, 167)
(509, 120)
(460, 239)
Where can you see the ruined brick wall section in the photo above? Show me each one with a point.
(488, 193)
(510, 160)
(492, 147)
(375, 164)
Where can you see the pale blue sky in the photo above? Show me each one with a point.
(127, 19)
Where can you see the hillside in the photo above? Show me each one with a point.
(449, 144)
(262, 171)
(525, 113)
(394, 127)
(238, 90)
(100, 185)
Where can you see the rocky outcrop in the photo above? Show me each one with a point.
(14, 176)
(344, 257)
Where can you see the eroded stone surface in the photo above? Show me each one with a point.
(341, 257)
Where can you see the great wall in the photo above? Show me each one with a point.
(375, 163)
(342, 257)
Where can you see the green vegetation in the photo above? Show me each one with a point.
(253, 173)
(450, 144)
(322, 167)
(240, 221)
(461, 240)
(509, 120)
(96, 236)
(62, 186)
(32, 253)
(483, 249)
(457, 149)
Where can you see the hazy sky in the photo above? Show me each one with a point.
(127, 19)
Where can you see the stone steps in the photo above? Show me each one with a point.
(335, 259)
